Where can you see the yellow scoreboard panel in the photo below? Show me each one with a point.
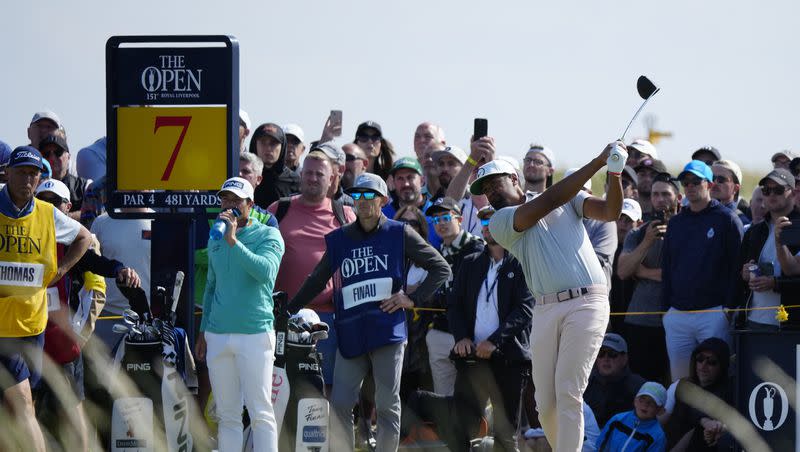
(171, 148)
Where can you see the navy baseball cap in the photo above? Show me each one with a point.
(699, 169)
(25, 156)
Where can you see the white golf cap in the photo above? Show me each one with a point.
(731, 166)
(514, 162)
(238, 186)
(786, 153)
(655, 390)
(490, 169)
(369, 182)
(545, 151)
(454, 151)
(245, 118)
(54, 186)
(46, 114)
(645, 147)
(632, 209)
(586, 186)
(294, 129)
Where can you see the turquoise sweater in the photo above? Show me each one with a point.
(241, 278)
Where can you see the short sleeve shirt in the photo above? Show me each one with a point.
(555, 253)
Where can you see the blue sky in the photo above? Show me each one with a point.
(560, 73)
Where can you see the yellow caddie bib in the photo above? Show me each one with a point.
(28, 263)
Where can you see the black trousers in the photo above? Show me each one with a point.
(647, 352)
(457, 418)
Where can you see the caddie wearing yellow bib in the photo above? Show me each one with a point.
(29, 232)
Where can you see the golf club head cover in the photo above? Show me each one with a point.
(616, 160)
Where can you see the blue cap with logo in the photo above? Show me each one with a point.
(699, 169)
(25, 156)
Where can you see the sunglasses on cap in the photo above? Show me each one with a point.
(700, 359)
(368, 137)
(58, 152)
(776, 190)
(608, 353)
(446, 218)
(368, 195)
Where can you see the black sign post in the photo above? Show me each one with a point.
(172, 126)
(765, 402)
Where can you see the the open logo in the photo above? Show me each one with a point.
(767, 400)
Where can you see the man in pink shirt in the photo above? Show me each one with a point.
(303, 225)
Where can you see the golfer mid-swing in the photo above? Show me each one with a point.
(545, 232)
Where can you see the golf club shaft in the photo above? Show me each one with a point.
(635, 115)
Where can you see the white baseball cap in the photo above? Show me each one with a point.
(54, 186)
(632, 209)
(294, 129)
(545, 151)
(586, 186)
(238, 186)
(454, 151)
(46, 114)
(645, 147)
(490, 169)
(245, 118)
(655, 390)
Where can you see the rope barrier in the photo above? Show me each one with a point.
(780, 308)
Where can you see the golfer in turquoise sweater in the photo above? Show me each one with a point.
(237, 338)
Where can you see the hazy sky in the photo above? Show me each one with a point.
(560, 73)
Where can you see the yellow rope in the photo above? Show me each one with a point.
(781, 315)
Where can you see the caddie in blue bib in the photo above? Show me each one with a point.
(366, 272)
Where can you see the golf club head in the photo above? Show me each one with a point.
(120, 329)
(130, 314)
(321, 326)
(136, 330)
(646, 88)
(320, 335)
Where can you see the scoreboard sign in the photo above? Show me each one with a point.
(172, 119)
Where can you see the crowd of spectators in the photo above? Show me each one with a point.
(687, 247)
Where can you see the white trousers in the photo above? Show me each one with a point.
(687, 331)
(443, 371)
(242, 364)
(565, 340)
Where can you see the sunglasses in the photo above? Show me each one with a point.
(693, 181)
(58, 152)
(368, 195)
(366, 137)
(446, 218)
(777, 190)
(485, 223)
(413, 223)
(701, 359)
(608, 353)
(534, 162)
(721, 179)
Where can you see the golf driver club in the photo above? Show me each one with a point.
(646, 89)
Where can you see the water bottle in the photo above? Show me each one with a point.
(218, 228)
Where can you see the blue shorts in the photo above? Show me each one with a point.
(328, 348)
(21, 357)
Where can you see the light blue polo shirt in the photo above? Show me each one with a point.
(555, 253)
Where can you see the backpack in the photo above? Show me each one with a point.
(286, 202)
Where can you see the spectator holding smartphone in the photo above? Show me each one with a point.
(641, 260)
(763, 247)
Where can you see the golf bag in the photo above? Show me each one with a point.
(298, 388)
(156, 358)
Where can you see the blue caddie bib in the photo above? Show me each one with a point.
(366, 272)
